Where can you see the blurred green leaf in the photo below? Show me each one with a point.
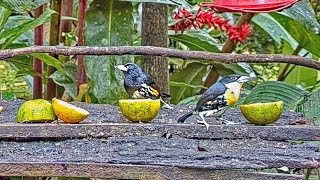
(272, 27)
(22, 5)
(7, 95)
(69, 82)
(4, 14)
(298, 75)
(49, 60)
(197, 40)
(270, 91)
(13, 33)
(306, 38)
(191, 75)
(304, 13)
(310, 108)
(192, 100)
(111, 27)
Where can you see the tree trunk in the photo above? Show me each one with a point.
(155, 33)
(54, 40)
(37, 64)
(81, 73)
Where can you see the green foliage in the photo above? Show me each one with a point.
(67, 80)
(271, 91)
(111, 27)
(22, 5)
(310, 108)
(186, 82)
(13, 33)
(11, 86)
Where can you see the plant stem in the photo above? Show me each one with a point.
(81, 74)
(285, 69)
(228, 47)
(54, 40)
(37, 64)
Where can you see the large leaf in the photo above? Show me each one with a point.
(49, 60)
(108, 23)
(298, 75)
(22, 5)
(69, 82)
(306, 38)
(304, 13)
(270, 91)
(4, 14)
(13, 33)
(310, 108)
(191, 75)
(272, 27)
(197, 40)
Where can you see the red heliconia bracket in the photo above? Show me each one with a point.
(185, 19)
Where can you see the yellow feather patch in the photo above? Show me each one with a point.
(154, 92)
(231, 98)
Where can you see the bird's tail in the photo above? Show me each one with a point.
(185, 116)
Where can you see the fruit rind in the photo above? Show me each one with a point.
(38, 110)
(262, 113)
(139, 110)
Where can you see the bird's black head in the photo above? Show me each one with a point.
(234, 78)
(130, 68)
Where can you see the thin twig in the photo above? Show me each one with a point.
(285, 69)
(165, 52)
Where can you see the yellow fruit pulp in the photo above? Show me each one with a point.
(67, 112)
(262, 113)
(137, 110)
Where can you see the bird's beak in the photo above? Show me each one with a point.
(243, 79)
(121, 67)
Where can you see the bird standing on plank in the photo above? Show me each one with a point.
(139, 85)
(216, 100)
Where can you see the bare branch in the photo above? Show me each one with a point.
(166, 52)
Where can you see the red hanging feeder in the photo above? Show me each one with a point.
(253, 6)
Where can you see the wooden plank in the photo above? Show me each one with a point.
(118, 171)
(189, 131)
(175, 152)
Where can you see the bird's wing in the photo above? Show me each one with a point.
(211, 94)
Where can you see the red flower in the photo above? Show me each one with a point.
(185, 20)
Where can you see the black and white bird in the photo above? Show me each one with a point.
(139, 85)
(218, 98)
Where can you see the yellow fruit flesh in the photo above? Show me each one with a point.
(68, 113)
(262, 113)
(38, 110)
(137, 110)
(1, 109)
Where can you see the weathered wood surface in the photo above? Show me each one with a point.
(116, 171)
(174, 152)
(119, 149)
(17, 132)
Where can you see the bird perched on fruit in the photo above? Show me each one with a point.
(218, 98)
(139, 85)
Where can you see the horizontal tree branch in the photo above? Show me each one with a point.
(166, 52)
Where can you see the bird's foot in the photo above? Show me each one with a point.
(167, 106)
(203, 122)
(226, 122)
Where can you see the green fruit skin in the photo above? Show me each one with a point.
(262, 115)
(135, 112)
(38, 110)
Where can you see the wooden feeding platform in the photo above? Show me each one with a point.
(105, 145)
